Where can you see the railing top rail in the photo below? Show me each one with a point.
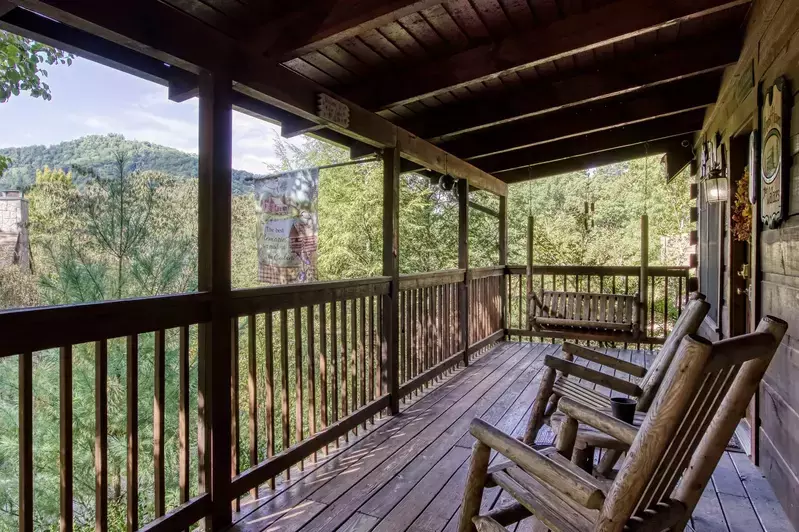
(427, 275)
(270, 298)
(573, 269)
(278, 290)
(36, 329)
(423, 280)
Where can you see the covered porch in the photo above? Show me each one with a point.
(345, 405)
(408, 471)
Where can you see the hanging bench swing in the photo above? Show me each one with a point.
(588, 315)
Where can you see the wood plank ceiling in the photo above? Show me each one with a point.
(519, 88)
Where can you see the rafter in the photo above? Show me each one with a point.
(614, 22)
(652, 130)
(608, 81)
(688, 94)
(593, 160)
(319, 23)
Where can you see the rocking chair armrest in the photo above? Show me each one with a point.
(547, 471)
(605, 360)
(624, 432)
(592, 375)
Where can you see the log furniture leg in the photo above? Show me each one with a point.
(541, 400)
(583, 457)
(475, 482)
(608, 461)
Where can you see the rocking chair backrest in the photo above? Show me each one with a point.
(704, 389)
(688, 323)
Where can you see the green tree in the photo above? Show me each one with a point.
(22, 63)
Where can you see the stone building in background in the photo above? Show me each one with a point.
(14, 243)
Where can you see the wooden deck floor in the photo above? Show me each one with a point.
(408, 472)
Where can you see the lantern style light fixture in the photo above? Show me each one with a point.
(446, 182)
(716, 186)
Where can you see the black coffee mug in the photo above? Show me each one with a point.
(623, 409)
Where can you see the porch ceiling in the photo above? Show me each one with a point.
(504, 84)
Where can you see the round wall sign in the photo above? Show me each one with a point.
(772, 153)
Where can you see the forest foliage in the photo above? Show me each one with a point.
(114, 219)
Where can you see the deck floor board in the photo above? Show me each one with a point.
(408, 471)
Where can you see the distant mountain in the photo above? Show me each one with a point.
(97, 152)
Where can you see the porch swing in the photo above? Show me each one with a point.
(574, 315)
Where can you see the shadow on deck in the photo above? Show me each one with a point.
(407, 473)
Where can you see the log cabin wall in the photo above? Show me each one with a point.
(771, 49)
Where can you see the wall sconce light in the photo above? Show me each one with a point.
(716, 187)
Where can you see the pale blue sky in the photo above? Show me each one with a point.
(90, 99)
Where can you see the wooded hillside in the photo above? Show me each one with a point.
(97, 152)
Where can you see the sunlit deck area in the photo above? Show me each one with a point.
(408, 472)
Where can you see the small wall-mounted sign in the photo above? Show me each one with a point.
(773, 160)
(745, 82)
(332, 110)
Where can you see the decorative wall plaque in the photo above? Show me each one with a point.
(333, 110)
(773, 154)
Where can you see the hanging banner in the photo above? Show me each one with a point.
(287, 226)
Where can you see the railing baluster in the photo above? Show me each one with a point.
(404, 361)
(26, 442)
(372, 365)
(183, 415)
(665, 307)
(284, 383)
(133, 433)
(353, 374)
(334, 362)
(311, 374)
(235, 429)
(344, 371)
(414, 338)
(651, 295)
(159, 389)
(298, 379)
(252, 396)
(65, 440)
(362, 353)
(269, 380)
(323, 366)
(100, 435)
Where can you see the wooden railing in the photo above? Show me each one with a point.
(485, 305)
(429, 325)
(144, 333)
(318, 350)
(309, 369)
(667, 292)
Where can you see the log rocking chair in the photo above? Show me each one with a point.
(554, 386)
(670, 459)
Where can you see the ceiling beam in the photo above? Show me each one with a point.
(319, 23)
(155, 29)
(688, 94)
(594, 160)
(53, 33)
(652, 130)
(607, 81)
(614, 22)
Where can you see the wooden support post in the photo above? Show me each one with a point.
(214, 212)
(463, 263)
(643, 285)
(503, 257)
(390, 351)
